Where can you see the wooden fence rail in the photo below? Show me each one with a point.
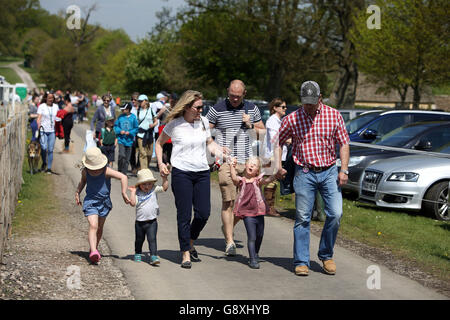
(12, 146)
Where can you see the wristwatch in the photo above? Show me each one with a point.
(344, 171)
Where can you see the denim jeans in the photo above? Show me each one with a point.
(47, 141)
(306, 185)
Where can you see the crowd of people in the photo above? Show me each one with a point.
(141, 126)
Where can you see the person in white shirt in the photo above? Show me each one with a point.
(158, 107)
(277, 108)
(191, 139)
(46, 126)
(144, 197)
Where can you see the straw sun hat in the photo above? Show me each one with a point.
(145, 175)
(94, 159)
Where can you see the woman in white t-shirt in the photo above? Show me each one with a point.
(46, 125)
(192, 145)
(277, 108)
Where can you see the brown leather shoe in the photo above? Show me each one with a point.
(273, 212)
(329, 266)
(301, 270)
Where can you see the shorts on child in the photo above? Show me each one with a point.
(101, 210)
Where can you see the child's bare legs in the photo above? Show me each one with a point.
(95, 233)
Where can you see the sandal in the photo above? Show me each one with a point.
(186, 264)
(94, 256)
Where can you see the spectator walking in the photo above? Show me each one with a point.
(126, 127)
(233, 118)
(96, 176)
(46, 124)
(144, 196)
(315, 170)
(108, 140)
(33, 115)
(191, 138)
(147, 121)
(103, 111)
(250, 205)
(67, 122)
(134, 161)
(159, 107)
(277, 109)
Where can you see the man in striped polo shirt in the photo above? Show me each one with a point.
(315, 130)
(233, 118)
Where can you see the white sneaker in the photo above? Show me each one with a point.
(230, 249)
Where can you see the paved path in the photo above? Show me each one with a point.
(221, 277)
(25, 76)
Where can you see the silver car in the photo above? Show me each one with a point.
(418, 182)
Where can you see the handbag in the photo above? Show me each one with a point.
(147, 139)
(287, 184)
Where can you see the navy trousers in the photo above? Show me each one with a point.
(191, 190)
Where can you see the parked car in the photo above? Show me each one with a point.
(349, 114)
(370, 126)
(416, 182)
(425, 136)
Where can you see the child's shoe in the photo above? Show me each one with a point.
(137, 257)
(253, 263)
(154, 260)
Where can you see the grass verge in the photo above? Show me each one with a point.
(10, 75)
(35, 202)
(409, 236)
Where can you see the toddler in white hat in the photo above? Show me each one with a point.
(144, 197)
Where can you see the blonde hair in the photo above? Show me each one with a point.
(257, 160)
(186, 100)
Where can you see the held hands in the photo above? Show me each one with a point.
(125, 198)
(164, 171)
(281, 173)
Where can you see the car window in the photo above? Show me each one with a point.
(357, 123)
(401, 136)
(430, 117)
(438, 137)
(388, 123)
(345, 115)
(444, 149)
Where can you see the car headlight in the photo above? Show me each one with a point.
(353, 161)
(404, 177)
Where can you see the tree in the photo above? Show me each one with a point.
(144, 67)
(57, 73)
(411, 48)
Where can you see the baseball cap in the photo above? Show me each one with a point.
(127, 105)
(160, 96)
(142, 97)
(310, 92)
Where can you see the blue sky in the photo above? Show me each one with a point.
(136, 17)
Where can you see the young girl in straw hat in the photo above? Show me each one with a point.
(143, 196)
(96, 176)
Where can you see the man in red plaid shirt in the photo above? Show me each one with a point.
(315, 130)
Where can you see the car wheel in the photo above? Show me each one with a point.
(436, 201)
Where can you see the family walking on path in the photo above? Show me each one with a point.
(314, 130)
